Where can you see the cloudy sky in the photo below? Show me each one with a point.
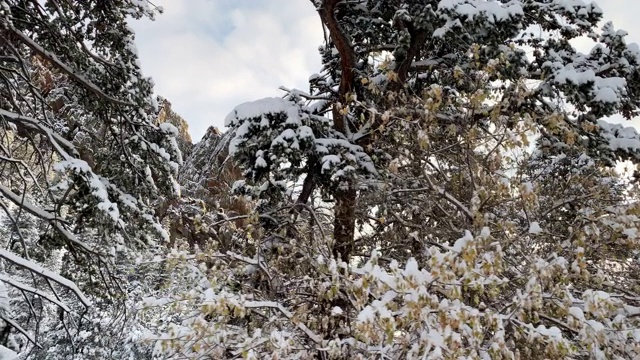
(207, 56)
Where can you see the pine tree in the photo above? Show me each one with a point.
(448, 44)
(83, 165)
(444, 190)
(417, 131)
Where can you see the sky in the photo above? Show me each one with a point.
(207, 56)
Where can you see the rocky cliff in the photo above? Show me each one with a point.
(206, 177)
(167, 115)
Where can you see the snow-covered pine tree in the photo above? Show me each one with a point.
(82, 164)
(418, 129)
(443, 43)
(444, 191)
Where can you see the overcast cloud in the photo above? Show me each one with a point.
(207, 56)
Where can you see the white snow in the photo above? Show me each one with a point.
(169, 129)
(534, 228)
(37, 269)
(260, 163)
(619, 136)
(606, 90)
(328, 161)
(494, 11)
(26, 204)
(461, 243)
(366, 315)
(631, 232)
(255, 109)
(98, 188)
(5, 302)
(7, 354)
(18, 285)
(411, 269)
(305, 132)
(553, 331)
(577, 313)
(595, 325)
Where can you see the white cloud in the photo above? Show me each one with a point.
(208, 56)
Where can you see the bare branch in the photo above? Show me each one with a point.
(29, 289)
(274, 305)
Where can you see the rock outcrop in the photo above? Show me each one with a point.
(166, 114)
(209, 173)
(206, 178)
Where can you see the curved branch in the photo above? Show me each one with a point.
(347, 54)
(34, 291)
(38, 126)
(276, 306)
(20, 329)
(47, 274)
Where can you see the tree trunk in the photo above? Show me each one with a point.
(344, 211)
(344, 223)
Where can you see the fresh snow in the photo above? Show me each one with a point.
(534, 228)
(169, 129)
(7, 354)
(37, 269)
(24, 287)
(552, 332)
(98, 187)
(577, 313)
(620, 136)
(255, 109)
(494, 11)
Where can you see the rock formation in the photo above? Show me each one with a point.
(167, 114)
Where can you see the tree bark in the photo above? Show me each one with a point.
(344, 209)
(347, 56)
(344, 223)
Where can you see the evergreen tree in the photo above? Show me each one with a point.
(448, 44)
(82, 164)
(417, 134)
(445, 189)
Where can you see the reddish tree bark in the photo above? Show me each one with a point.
(344, 211)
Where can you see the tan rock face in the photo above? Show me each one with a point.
(206, 178)
(166, 114)
(211, 174)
